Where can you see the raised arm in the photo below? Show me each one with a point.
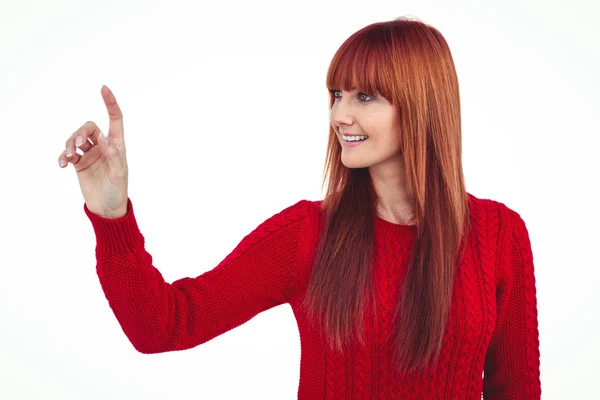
(158, 316)
(512, 363)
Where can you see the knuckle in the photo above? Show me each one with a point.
(88, 127)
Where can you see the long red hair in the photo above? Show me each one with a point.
(410, 64)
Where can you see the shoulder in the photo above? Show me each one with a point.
(301, 209)
(301, 213)
(497, 224)
(306, 209)
(286, 217)
(501, 230)
(497, 216)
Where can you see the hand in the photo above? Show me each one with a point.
(102, 169)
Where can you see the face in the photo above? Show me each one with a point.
(358, 113)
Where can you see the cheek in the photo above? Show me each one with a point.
(387, 142)
(391, 142)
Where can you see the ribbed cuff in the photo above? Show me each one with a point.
(116, 235)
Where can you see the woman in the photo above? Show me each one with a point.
(404, 286)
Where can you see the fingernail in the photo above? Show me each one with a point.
(69, 153)
(61, 162)
(78, 141)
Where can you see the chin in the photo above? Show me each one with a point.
(353, 164)
(355, 161)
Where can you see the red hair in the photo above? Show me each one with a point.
(409, 63)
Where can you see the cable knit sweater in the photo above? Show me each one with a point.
(491, 345)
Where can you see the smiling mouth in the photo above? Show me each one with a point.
(354, 139)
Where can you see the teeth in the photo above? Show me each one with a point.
(354, 138)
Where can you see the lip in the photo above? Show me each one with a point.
(352, 144)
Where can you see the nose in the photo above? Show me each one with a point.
(341, 114)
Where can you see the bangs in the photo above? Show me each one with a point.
(365, 63)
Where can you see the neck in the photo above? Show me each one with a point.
(393, 202)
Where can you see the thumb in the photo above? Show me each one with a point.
(115, 128)
(111, 153)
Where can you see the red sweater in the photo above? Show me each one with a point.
(492, 328)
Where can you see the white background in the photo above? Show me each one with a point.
(226, 122)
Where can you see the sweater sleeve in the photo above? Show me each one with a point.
(157, 316)
(512, 363)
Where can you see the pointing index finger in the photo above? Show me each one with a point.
(114, 113)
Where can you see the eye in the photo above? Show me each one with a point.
(334, 91)
(364, 94)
